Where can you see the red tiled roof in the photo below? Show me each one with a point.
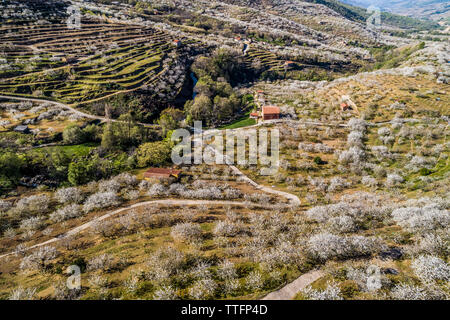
(271, 110)
(152, 172)
(254, 114)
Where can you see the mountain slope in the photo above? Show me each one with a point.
(353, 10)
(433, 9)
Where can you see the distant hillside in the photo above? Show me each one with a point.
(353, 10)
(356, 13)
(350, 12)
(432, 9)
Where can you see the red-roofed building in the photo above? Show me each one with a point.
(254, 115)
(345, 106)
(270, 112)
(161, 173)
(177, 43)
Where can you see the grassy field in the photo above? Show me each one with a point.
(245, 121)
(73, 151)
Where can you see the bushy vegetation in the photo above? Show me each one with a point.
(216, 101)
(390, 57)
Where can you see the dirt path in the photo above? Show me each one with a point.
(289, 291)
(71, 109)
(293, 199)
(57, 104)
(103, 119)
(168, 202)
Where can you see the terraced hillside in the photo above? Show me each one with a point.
(81, 65)
(267, 59)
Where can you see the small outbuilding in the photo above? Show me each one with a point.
(177, 43)
(345, 106)
(161, 173)
(254, 115)
(270, 112)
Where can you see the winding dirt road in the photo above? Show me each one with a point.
(71, 109)
(294, 201)
(57, 104)
(168, 202)
(288, 292)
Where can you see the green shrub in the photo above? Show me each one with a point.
(349, 289)
(73, 134)
(318, 160)
(425, 172)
